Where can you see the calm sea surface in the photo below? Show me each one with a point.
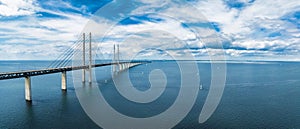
(257, 95)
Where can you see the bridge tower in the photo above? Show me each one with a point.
(83, 57)
(90, 58)
(118, 54)
(114, 60)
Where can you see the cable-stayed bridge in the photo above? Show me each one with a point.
(64, 63)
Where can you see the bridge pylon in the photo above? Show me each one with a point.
(83, 57)
(89, 69)
(90, 57)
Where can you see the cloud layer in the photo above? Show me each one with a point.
(29, 31)
(256, 27)
(247, 29)
(17, 7)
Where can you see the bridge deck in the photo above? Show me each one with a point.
(12, 75)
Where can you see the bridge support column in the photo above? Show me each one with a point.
(28, 89)
(64, 81)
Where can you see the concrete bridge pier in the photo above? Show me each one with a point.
(64, 81)
(28, 89)
(121, 67)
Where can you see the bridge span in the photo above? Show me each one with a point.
(21, 74)
(60, 67)
(28, 74)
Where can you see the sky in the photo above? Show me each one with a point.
(238, 29)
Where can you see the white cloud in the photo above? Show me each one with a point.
(247, 27)
(17, 7)
(250, 26)
(166, 34)
(38, 37)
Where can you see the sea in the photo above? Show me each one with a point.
(257, 94)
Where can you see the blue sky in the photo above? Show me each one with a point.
(247, 29)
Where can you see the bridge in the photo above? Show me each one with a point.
(60, 66)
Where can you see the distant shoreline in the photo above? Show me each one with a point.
(178, 60)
